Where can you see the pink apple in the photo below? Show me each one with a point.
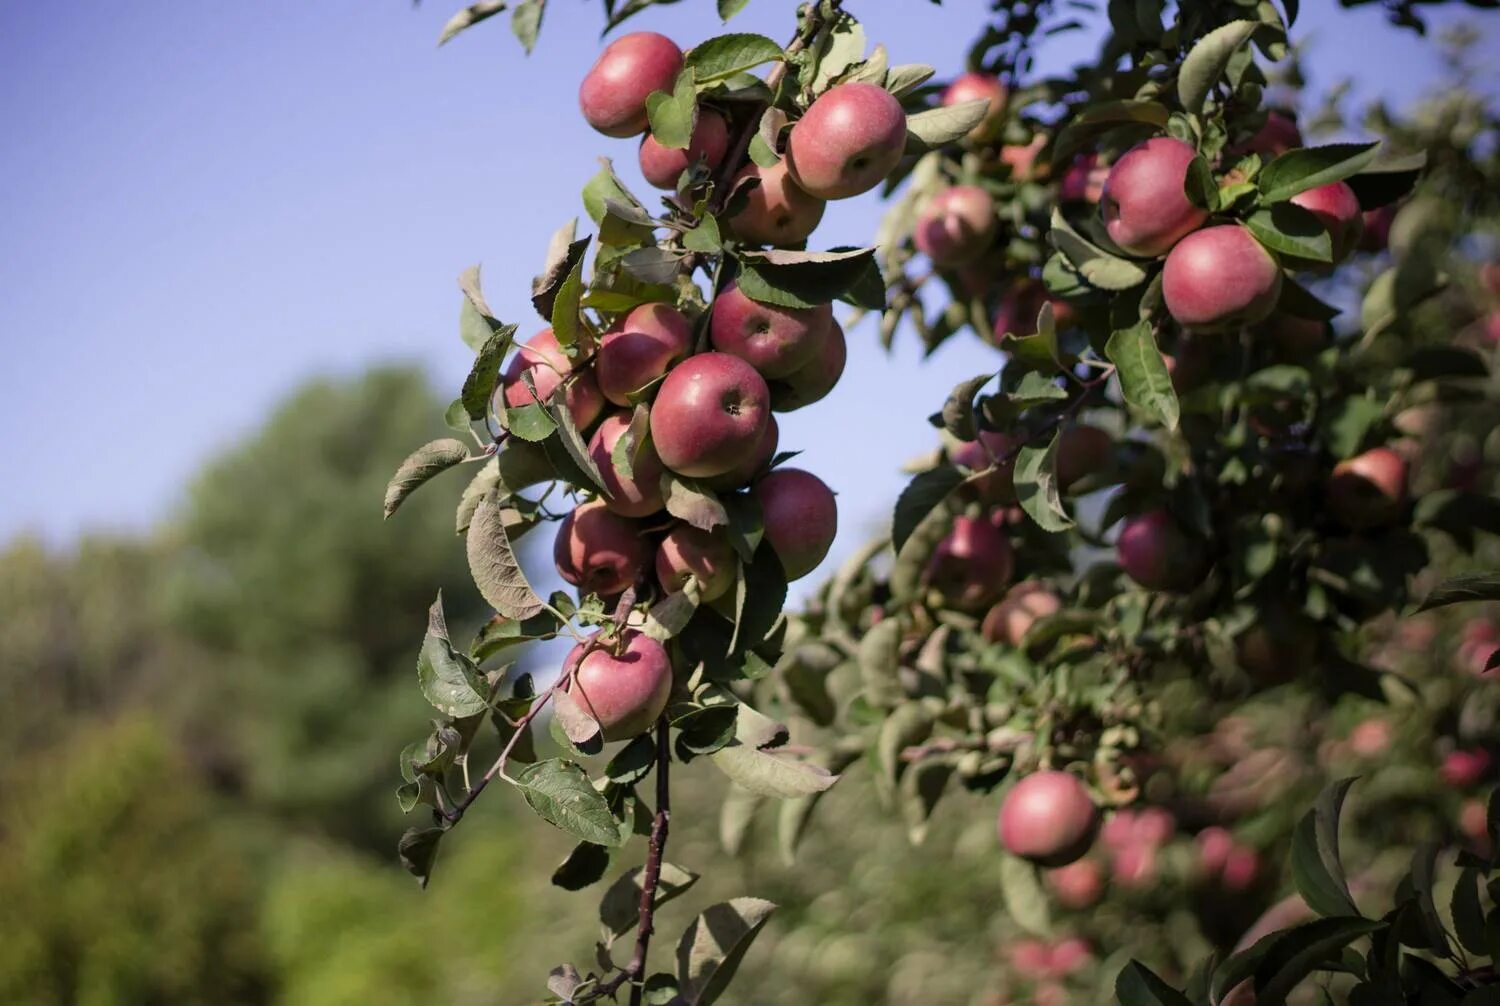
(624, 684)
(977, 455)
(972, 566)
(1465, 769)
(663, 166)
(1145, 204)
(1084, 180)
(777, 341)
(812, 381)
(1048, 818)
(1241, 869)
(548, 365)
(974, 87)
(688, 551)
(614, 91)
(753, 463)
(776, 212)
(800, 517)
(1214, 845)
(1278, 135)
(640, 494)
(598, 551)
(639, 349)
(1375, 234)
(848, 141)
(1134, 867)
(1078, 885)
(1220, 277)
(1337, 209)
(1069, 956)
(1368, 490)
(1156, 553)
(1009, 621)
(708, 414)
(1370, 738)
(1021, 159)
(956, 225)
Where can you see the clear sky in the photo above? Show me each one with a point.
(203, 203)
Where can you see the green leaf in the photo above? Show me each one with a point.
(958, 410)
(1036, 486)
(713, 946)
(561, 794)
(530, 422)
(669, 616)
(619, 910)
(1144, 380)
(879, 657)
(564, 257)
(449, 680)
(1025, 900)
(1201, 189)
(938, 127)
(470, 16)
(762, 153)
(1349, 422)
(759, 595)
(493, 565)
(765, 772)
(691, 501)
(1423, 873)
(630, 442)
(1101, 117)
(606, 187)
(1387, 180)
(722, 57)
(1207, 61)
(673, 116)
(422, 464)
(922, 493)
(1296, 953)
(1317, 870)
(565, 323)
(475, 324)
(575, 447)
(1098, 267)
(1462, 588)
(418, 849)
(838, 47)
(922, 786)
(729, 8)
(1138, 985)
(1291, 230)
(746, 524)
(485, 373)
(585, 865)
(802, 279)
(905, 78)
(1299, 170)
(526, 21)
(1468, 912)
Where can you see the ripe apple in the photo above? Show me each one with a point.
(1241, 869)
(613, 93)
(1084, 180)
(1337, 209)
(1069, 956)
(812, 381)
(1078, 885)
(777, 212)
(972, 87)
(1134, 867)
(1021, 159)
(640, 494)
(663, 166)
(1158, 554)
(1465, 769)
(848, 141)
(1278, 135)
(1220, 277)
(1146, 208)
(800, 517)
(956, 225)
(1031, 958)
(998, 486)
(1375, 233)
(1214, 844)
(640, 349)
(1082, 450)
(972, 566)
(688, 551)
(598, 551)
(624, 685)
(753, 463)
(1369, 489)
(710, 411)
(777, 341)
(1048, 818)
(542, 358)
(1010, 620)
(1370, 738)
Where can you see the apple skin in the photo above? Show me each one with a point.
(1375, 233)
(1369, 489)
(639, 349)
(812, 381)
(1078, 885)
(1083, 181)
(1370, 738)
(1337, 209)
(1465, 769)
(544, 359)
(800, 516)
(956, 225)
(688, 551)
(709, 412)
(613, 94)
(1146, 210)
(1069, 956)
(1156, 553)
(848, 141)
(753, 463)
(1010, 620)
(777, 212)
(1021, 159)
(662, 166)
(1220, 277)
(640, 495)
(1082, 450)
(973, 565)
(1134, 867)
(598, 551)
(1048, 818)
(1278, 135)
(998, 487)
(1241, 869)
(625, 693)
(1213, 844)
(973, 86)
(777, 341)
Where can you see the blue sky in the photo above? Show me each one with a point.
(205, 203)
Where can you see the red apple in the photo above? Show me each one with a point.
(1009, 621)
(613, 94)
(688, 551)
(1069, 956)
(977, 455)
(776, 212)
(753, 463)
(1153, 826)
(812, 381)
(1032, 958)
(708, 414)
(663, 166)
(1084, 180)
(1048, 818)
(1278, 135)
(956, 225)
(777, 341)
(1214, 844)
(1078, 885)
(1465, 769)
(1145, 204)
(1220, 277)
(972, 87)
(1134, 867)
(1337, 209)
(1376, 231)
(542, 358)
(640, 494)
(1082, 450)
(640, 349)
(800, 517)
(1241, 869)
(623, 685)
(848, 141)
(972, 566)
(598, 551)
(1158, 554)
(1368, 490)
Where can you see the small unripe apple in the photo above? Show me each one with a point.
(1158, 554)
(753, 463)
(1010, 620)
(1145, 204)
(613, 93)
(973, 87)
(777, 212)
(624, 691)
(640, 349)
(689, 551)
(1082, 450)
(708, 414)
(812, 381)
(1369, 489)
(1078, 885)
(972, 566)
(800, 517)
(1465, 769)
(1048, 818)
(999, 486)
(663, 166)
(598, 551)
(1278, 135)
(544, 360)
(848, 141)
(640, 494)
(1337, 209)
(776, 341)
(956, 225)
(1220, 277)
